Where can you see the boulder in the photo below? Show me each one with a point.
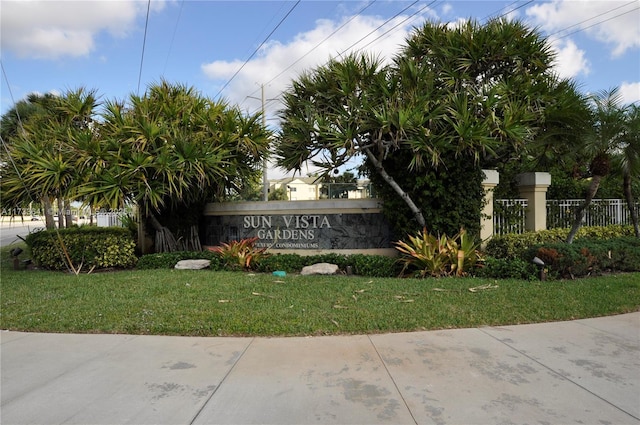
(320, 268)
(192, 264)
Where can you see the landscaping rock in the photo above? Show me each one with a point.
(320, 268)
(192, 264)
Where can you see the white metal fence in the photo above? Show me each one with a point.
(509, 214)
(109, 219)
(601, 212)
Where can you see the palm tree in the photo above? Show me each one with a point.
(43, 152)
(627, 161)
(601, 141)
(168, 152)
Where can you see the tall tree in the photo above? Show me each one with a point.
(627, 161)
(171, 150)
(470, 93)
(604, 137)
(42, 148)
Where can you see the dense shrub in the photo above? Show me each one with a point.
(513, 245)
(588, 256)
(375, 265)
(503, 268)
(449, 197)
(168, 260)
(84, 247)
(361, 264)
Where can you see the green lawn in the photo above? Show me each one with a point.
(206, 303)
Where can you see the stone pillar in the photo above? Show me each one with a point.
(491, 180)
(533, 187)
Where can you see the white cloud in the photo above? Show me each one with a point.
(596, 18)
(570, 60)
(56, 29)
(630, 92)
(269, 65)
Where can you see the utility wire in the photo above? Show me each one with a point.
(512, 10)
(21, 126)
(173, 38)
(362, 38)
(595, 17)
(4, 73)
(502, 8)
(319, 44)
(380, 26)
(144, 42)
(258, 48)
(598, 23)
(397, 25)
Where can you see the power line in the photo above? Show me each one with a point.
(362, 38)
(13, 100)
(511, 10)
(598, 23)
(173, 37)
(502, 8)
(318, 45)
(397, 25)
(380, 26)
(144, 42)
(595, 17)
(257, 49)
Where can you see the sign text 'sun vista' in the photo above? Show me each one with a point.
(286, 227)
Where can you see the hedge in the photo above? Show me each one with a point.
(512, 246)
(86, 247)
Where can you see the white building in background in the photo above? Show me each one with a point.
(298, 188)
(311, 189)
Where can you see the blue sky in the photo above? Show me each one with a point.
(51, 46)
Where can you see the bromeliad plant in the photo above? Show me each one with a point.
(439, 255)
(240, 254)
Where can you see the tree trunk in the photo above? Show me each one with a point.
(577, 223)
(48, 212)
(68, 215)
(628, 195)
(417, 214)
(60, 213)
(165, 241)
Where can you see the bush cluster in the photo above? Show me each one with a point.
(514, 246)
(363, 265)
(588, 256)
(86, 247)
(597, 250)
(507, 268)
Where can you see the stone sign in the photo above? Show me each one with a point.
(354, 225)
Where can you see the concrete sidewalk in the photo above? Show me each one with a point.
(584, 371)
